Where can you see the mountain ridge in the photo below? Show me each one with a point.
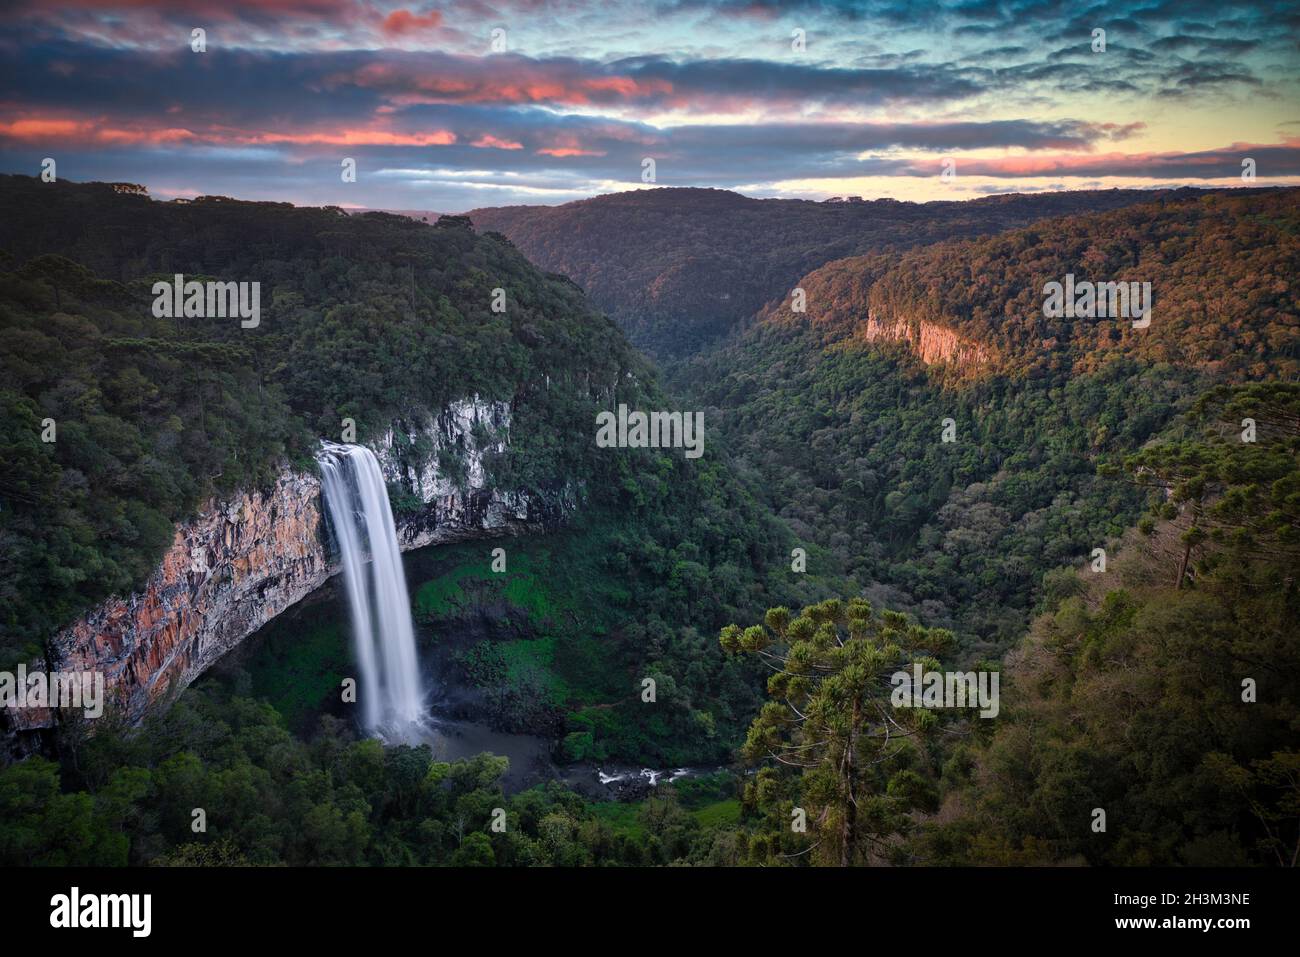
(679, 268)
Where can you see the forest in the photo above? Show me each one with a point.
(680, 268)
(1126, 695)
(842, 431)
(154, 416)
(1162, 689)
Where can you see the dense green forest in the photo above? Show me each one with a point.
(1166, 690)
(845, 434)
(1122, 689)
(679, 268)
(1128, 695)
(271, 798)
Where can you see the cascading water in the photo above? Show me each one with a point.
(357, 501)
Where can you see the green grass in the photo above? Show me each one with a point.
(524, 590)
(625, 818)
(556, 585)
(622, 818)
(472, 583)
(536, 655)
(298, 672)
(442, 596)
(720, 813)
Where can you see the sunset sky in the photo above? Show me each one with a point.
(713, 91)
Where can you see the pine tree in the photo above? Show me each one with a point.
(831, 721)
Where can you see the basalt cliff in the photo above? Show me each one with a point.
(930, 342)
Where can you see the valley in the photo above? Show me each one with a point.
(594, 621)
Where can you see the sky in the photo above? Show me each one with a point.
(467, 103)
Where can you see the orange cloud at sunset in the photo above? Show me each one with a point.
(568, 151)
(97, 131)
(1208, 163)
(36, 130)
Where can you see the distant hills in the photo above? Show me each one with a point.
(1221, 265)
(679, 268)
(424, 215)
(923, 314)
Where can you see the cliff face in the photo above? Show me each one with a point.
(467, 430)
(228, 571)
(931, 343)
(241, 562)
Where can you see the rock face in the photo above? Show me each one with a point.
(243, 561)
(229, 571)
(459, 503)
(467, 430)
(931, 343)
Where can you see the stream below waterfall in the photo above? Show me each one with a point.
(531, 762)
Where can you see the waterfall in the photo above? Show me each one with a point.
(357, 501)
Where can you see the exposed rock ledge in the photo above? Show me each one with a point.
(243, 561)
(931, 343)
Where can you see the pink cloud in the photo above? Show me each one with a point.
(401, 22)
(357, 137)
(503, 80)
(569, 151)
(101, 131)
(488, 141)
(1214, 163)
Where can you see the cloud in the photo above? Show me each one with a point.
(565, 151)
(488, 141)
(650, 81)
(88, 132)
(101, 131)
(696, 150)
(1272, 160)
(709, 88)
(403, 22)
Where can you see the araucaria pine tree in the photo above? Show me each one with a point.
(844, 777)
